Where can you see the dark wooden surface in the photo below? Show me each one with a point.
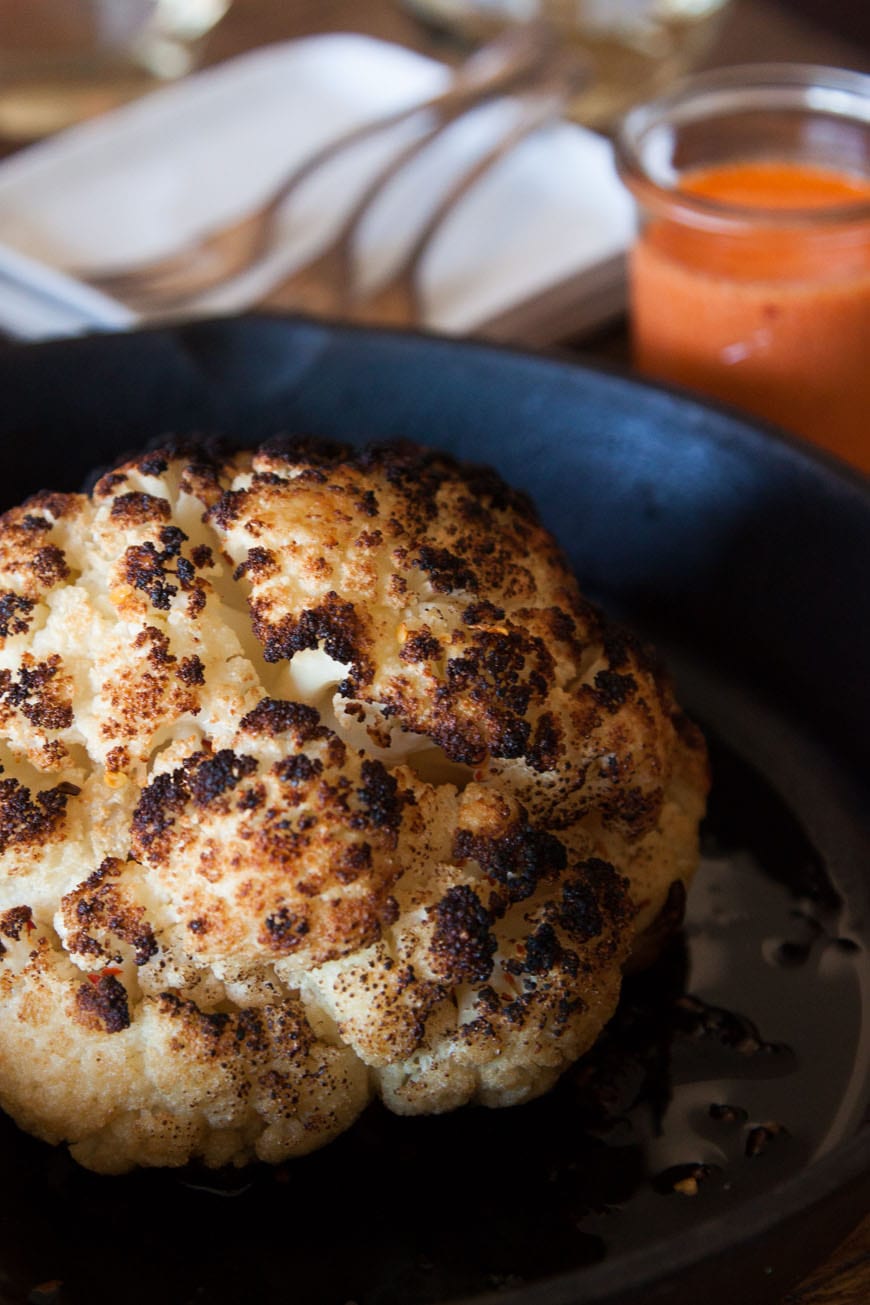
(819, 31)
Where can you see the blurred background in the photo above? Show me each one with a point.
(63, 60)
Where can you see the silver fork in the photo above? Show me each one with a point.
(328, 285)
(216, 256)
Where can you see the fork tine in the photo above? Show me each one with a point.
(327, 282)
(336, 259)
(224, 252)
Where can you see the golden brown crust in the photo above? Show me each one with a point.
(509, 667)
(322, 779)
(268, 859)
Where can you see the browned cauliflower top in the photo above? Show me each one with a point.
(320, 780)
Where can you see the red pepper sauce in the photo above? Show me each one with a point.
(772, 312)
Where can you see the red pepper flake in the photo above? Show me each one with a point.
(105, 972)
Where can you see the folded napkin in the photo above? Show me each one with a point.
(137, 183)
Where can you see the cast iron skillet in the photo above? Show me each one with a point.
(746, 556)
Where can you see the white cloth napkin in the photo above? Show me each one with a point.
(138, 182)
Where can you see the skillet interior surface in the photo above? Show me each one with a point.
(720, 1120)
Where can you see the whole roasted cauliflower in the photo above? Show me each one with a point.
(320, 780)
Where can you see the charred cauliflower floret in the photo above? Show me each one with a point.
(320, 780)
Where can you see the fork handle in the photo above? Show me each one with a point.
(543, 104)
(341, 245)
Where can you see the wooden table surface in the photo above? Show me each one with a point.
(819, 31)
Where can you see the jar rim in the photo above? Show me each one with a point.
(828, 92)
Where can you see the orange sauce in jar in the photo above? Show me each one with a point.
(748, 299)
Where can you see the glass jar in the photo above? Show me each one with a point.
(750, 276)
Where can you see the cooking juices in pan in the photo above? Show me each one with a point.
(729, 1065)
